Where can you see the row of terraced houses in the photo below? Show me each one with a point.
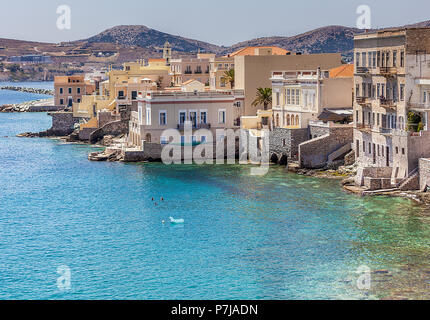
(322, 113)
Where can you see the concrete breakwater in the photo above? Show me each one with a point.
(28, 90)
(43, 105)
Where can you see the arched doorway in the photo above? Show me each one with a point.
(148, 138)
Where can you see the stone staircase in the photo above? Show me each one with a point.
(412, 182)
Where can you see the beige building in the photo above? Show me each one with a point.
(218, 67)
(392, 86)
(185, 69)
(300, 96)
(252, 72)
(70, 89)
(158, 111)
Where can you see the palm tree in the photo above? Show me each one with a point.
(264, 97)
(229, 77)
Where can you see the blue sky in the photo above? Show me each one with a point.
(222, 22)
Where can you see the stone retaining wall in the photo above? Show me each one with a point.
(314, 153)
(424, 170)
(114, 128)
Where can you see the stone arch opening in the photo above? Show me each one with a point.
(284, 160)
(274, 158)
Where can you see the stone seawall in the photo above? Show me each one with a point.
(63, 124)
(424, 173)
(285, 142)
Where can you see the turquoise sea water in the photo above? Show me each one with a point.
(280, 236)
(12, 97)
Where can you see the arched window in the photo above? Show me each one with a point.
(297, 120)
(277, 120)
(288, 120)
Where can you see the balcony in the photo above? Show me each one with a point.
(367, 128)
(198, 72)
(362, 70)
(386, 131)
(207, 126)
(387, 103)
(419, 106)
(188, 72)
(388, 71)
(363, 101)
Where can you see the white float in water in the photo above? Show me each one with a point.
(176, 221)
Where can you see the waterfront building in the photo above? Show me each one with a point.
(71, 89)
(161, 110)
(301, 96)
(392, 91)
(252, 72)
(121, 89)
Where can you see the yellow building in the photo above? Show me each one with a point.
(122, 88)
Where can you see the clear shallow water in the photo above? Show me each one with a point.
(12, 97)
(280, 236)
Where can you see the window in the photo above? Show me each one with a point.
(148, 116)
(70, 90)
(61, 90)
(221, 116)
(378, 60)
(163, 117)
(403, 151)
(182, 139)
(203, 139)
(297, 96)
(424, 96)
(288, 96)
(182, 117)
(203, 117)
(402, 92)
(395, 58)
(357, 59)
(378, 90)
(374, 59)
(78, 90)
(277, 99)
(133, 95)
(363, 59)
(402, 59)
(397, 150)
(193, 118)
(79, 100)
(61, 101)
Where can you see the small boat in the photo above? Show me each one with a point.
(177, 221)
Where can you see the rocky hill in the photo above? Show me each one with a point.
(143, 36)
(327, 39)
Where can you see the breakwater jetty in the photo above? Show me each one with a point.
(28, 90)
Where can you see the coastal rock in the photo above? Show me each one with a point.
(28, 135)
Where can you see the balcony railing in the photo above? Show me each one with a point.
(366, 101)
(364, 127)
(198, 72)
(388, 71)
(419, 106)
(388, 103)
(386, 131)
(188, 72)
(362, 70)
(198, 126)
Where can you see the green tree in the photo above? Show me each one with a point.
(264, 97)
(414, 122)
(229, 77)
